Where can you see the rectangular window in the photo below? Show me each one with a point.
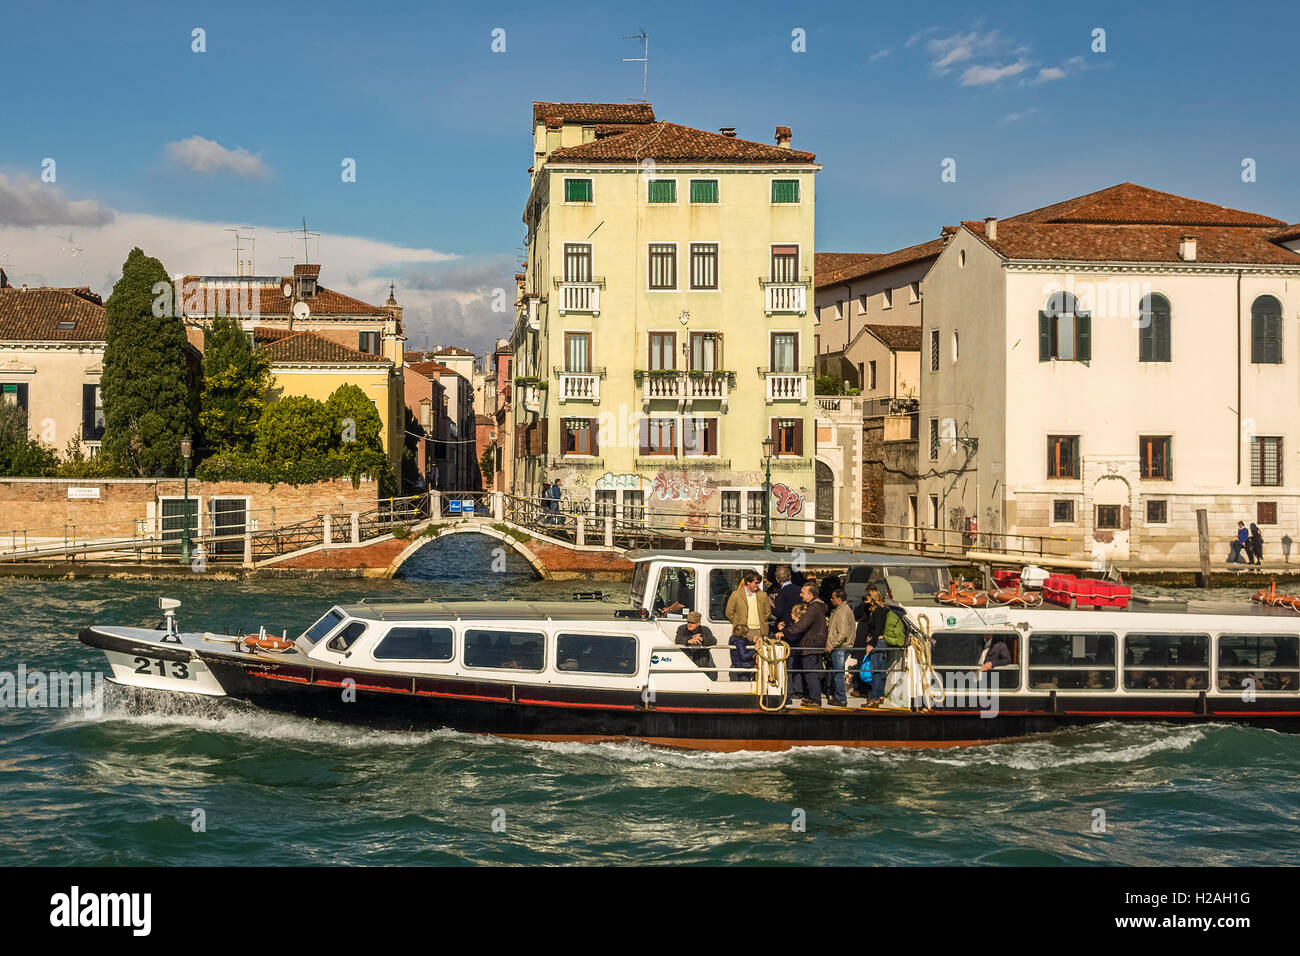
(1063, 511)
(416, 644)
(704, 351)
(862, 304)
(700, 436)
(934, 439)
(785, 352)
(505, 650)
(730, 510)
(1066, 336)
(633, 505)
(934, 511)
(663, 351)
(722, 584)
(1153, 451)
(934, 350)
(659, 436)
(1266, 339)
(840, 305)
(606, 504)
(1071, 661)
(663, 265)
(14, 393)
(785, 263)
(577, 190)
(871, 375)
(755, 511)
(1062, 456)
(1266, 512)
(577, 262)
(662, 190)
(914, 291)
(1157, 511)
(1166, 662)
(887, 296)
(577, 351)
(1266, 461)
(787, 433)
(578, 436)
(595, 653)
(704, 265)
(1262, 661)
(368, 342)
(785, 190)
(92, 413)
(704, 190)
(1108, 517)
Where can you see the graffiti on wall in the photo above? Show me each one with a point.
(788, 501)
(692, 486)
(610, 481)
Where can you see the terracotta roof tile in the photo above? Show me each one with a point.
(308, 348)
(900, 338)
(432, 368)
(306, 270)
(1088, 242)
(830, 267)
(594, 112)
(1131, 203)
(270, 300)
(1288, 234)
(34, 315)
(673, 143)
(882, 262)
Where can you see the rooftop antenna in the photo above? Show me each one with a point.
(239, 263)
(305, 234)
(644, 59)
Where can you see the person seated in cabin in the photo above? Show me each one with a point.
(994, 654)
(1284, 651)
(1096, 680)
(1049, 680)
(695, 637)
(684, 600)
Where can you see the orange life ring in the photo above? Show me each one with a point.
(965, 595)
(1015, 596)
(268, 643)
(1273, 599)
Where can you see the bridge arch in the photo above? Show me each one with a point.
(468, 528)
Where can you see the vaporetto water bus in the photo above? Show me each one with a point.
(592, 670)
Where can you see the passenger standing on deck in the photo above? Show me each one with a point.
(787, 596)
(1256, 546)
(811, 631)
(876, 620)
(748, 609)
(839, 639)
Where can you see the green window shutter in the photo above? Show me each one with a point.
(1044, 337)
(663, 190)
(704, 190)
(577, 190)
(1083, 336)
(785, 190)
(1169, 458)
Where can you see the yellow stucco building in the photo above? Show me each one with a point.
(665, 326)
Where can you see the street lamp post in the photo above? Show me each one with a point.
(768, 446)
(187, 447)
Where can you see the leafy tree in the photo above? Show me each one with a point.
(357, 429)
(293, 430)
(148, 404)
(829, 385)
(76, 464)
(20, 455)
(235, 380)
(487, 464)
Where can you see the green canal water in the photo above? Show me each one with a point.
(123, 786)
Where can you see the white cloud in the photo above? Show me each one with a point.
(1017, 117)
(28, 202)
(1049, 73)
(947, 51)
(983, 75)
(207, 156)
(879, 54)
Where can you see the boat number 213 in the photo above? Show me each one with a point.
(179, 668)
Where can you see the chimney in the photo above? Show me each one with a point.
(783, 137)
(1187, 248)
(728, 131)
(991, 228)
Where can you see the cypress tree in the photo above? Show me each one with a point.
(148, 406)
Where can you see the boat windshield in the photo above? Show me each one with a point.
(323, 626)
(640, 575)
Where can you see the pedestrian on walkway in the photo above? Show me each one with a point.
(1256, 545)
(1243, 543)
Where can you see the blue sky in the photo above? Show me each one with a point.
(439, 124)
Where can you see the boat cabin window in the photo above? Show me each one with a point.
(640, 578)
(505, 650)
(416, 644)
(675, 591)
(722, 581)
(1156, 662)
(345, 638)
(959, 652)
(1259, 662)
(595, 653)
(1071, 661)
(322, 627)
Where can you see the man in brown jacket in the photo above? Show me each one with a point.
(747, 610)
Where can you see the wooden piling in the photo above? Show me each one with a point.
(1203, 539)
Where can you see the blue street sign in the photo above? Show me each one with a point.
(453, 506)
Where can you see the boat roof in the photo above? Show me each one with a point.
(816, 559)
(584, 610)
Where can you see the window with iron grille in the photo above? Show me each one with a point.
(1063, 511)
(606, 504)
(1153, 453)
(785, 190)
(1266, 512)
(1266, 461)
(663, 265)
(1157, 511)
(704, 190)
(934, 350)
(704, 265)
(662, 190)
(634, 505)
(577, 262)
(934, 439)
(1108, 517)
(754, 508)
(1062, 456)
(577, 190)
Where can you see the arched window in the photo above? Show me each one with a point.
(1064, 332)
(1153, 334)
(1266, 331)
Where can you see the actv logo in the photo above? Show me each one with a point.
(75, 909)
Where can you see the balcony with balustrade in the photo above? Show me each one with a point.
(580, 386)
(684, 387)
(786, 385)
(785, 297)
(579, 297)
